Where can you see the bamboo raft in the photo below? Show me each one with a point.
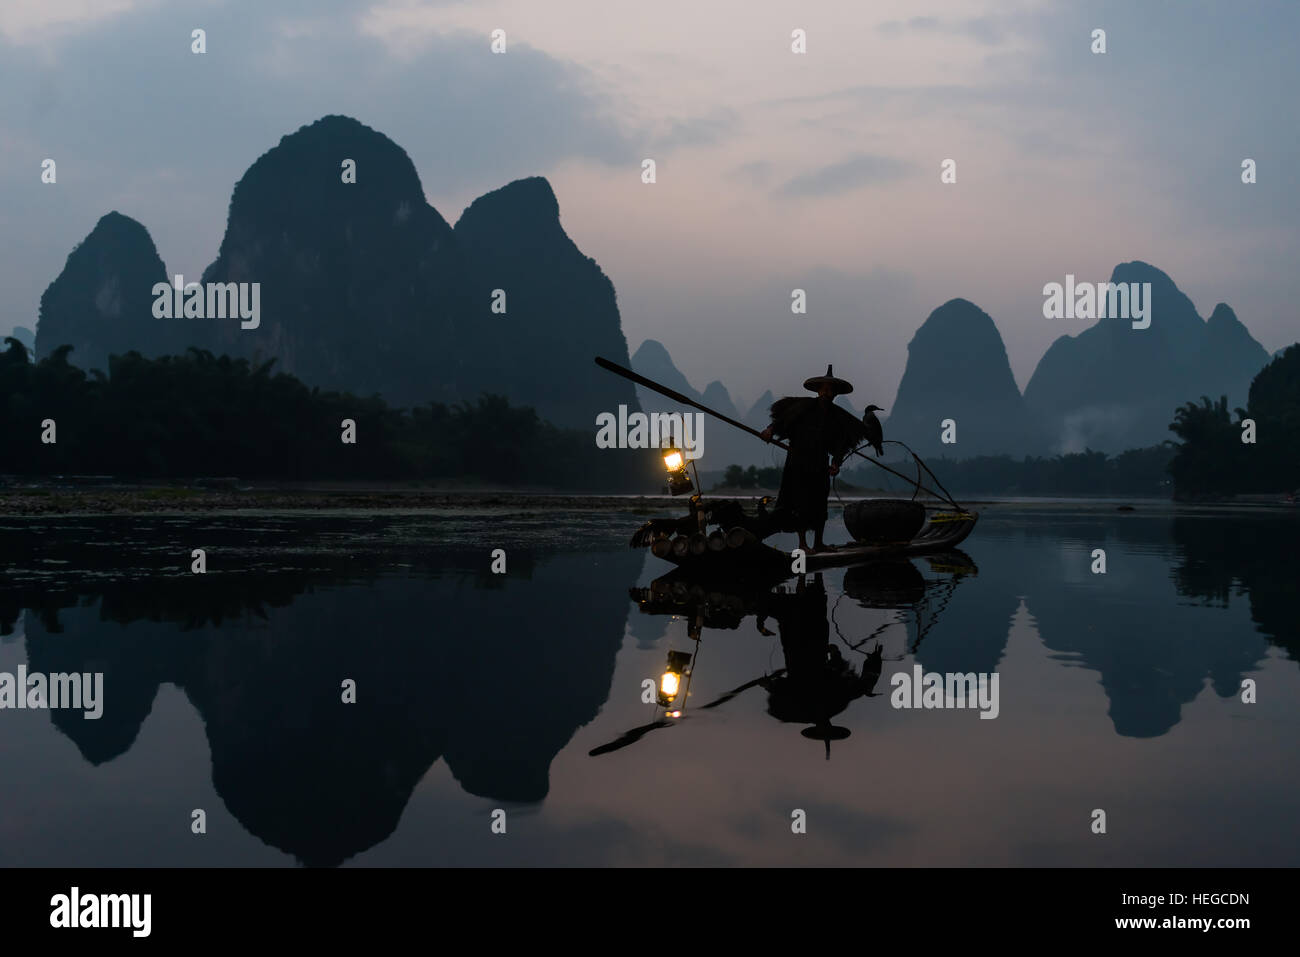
(738, 552)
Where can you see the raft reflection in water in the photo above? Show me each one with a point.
(818, 681)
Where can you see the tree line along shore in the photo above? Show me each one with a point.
(199, 414)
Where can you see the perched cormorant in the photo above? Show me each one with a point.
(875, 434)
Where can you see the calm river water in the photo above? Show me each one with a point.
(481, 697)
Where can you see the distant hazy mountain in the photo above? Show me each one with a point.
(102, 301)
(25, 336)
(957, 369)
(653, 361)
(723, 444)
(716, 397)
(758, 416)
(1113, 387)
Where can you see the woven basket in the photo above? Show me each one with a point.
(884, 521)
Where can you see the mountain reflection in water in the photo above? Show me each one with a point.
(498, 674)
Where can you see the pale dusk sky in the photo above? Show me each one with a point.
(774, 170)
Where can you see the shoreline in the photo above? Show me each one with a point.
(227, 496)
(144, 500)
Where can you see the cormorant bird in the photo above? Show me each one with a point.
(875, 434)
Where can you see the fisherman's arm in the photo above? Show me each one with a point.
(788, 417)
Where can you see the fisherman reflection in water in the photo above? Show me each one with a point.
(818, 682)
(821, 435)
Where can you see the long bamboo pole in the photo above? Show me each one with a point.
(676, 396)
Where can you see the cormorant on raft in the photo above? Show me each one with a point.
(875, 434)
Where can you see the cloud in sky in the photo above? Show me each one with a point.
(987, 30)
(850, 174)
(702, 130)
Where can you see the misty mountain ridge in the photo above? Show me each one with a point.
(723, 444)
(26, 337)
(759, 414)
(1108, 388)
(716, 397)
(365, 287)
(957, 369)
(1113, 387)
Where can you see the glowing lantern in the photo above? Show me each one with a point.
(670, 684)
(679, 483)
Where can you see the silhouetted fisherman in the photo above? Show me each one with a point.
(821, 434)
(875, 434)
